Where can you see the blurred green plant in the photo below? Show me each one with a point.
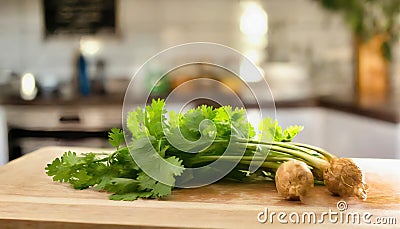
(368, 18)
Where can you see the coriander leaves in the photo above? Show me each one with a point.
(164, 145)
(116, 137)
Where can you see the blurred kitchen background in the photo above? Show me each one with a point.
(333, 66)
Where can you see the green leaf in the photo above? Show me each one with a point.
(80, 179)
(222, 121)
(80, 171)
(135, 123)
(270, 130)
(59, 171)
(69, 158)
(173, 119)
(118, 185)
(130, 196)
(124, 163)
(291, 132)
(155, 117)
(116, 137)
(151, 162)
(125, 197)
(176, 167)
(240, 124)
(190, 123)
(62, 169)
(157, 188)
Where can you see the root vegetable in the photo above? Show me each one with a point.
(293, 180)
(344, 178)
(341, 175)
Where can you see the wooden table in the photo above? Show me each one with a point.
(30, 199)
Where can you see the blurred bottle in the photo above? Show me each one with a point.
(83, 77)
(99, 81)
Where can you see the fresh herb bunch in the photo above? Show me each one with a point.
(185, 140)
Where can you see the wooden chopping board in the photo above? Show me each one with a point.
(30, 199)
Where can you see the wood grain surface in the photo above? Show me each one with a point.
(30, 199)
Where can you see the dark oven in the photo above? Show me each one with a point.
(31, 128)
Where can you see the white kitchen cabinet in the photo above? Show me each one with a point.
(352, 135)
(3, 138)
(343, 134)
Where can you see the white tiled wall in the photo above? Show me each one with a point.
(299, 31)
(146, 27)
(303, 32)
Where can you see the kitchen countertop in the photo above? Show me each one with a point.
(386, 110)
(382, 109)
(29, 198)
(98, 99)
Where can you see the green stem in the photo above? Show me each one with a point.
(291, 145)
(244, 158)
(289, 150)
(305, 150)
(313, 161)
(267, 164)
(329, 156)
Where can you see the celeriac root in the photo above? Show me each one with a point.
(294, 179)
(344, 178)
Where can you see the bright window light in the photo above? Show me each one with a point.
(28, 89)
(89, 47)
(254, 20)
